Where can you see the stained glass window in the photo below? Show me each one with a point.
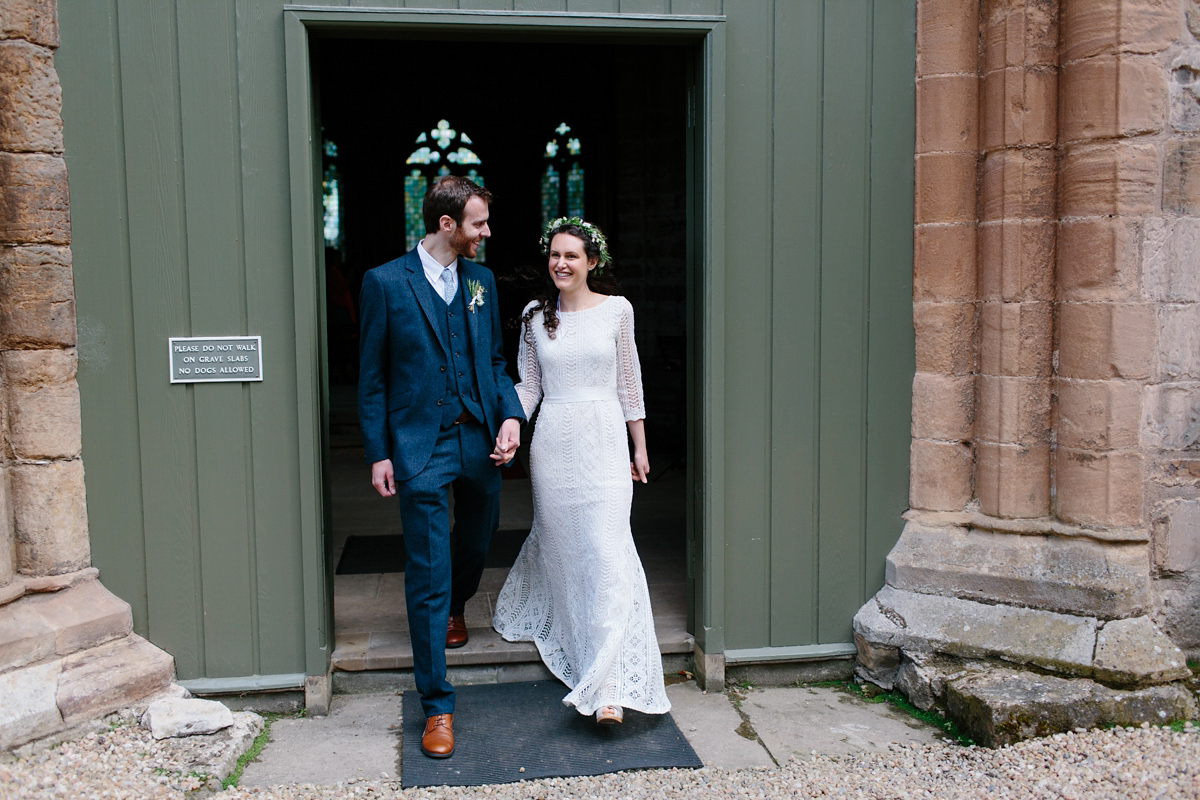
(440, 146)
(331, 196)
(564, 156)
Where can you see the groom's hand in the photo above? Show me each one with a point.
(382, 478)
(507, 442)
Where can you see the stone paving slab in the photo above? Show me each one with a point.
(360, 738)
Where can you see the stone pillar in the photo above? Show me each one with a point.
(67, 650)
(944, 295)
(1086, 359)
(1016, 257)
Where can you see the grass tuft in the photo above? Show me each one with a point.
(256, 748)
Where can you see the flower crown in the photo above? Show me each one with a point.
(588, 228)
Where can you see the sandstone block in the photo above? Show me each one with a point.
(940, 475)
(34, 202)
(963, 628)
(943, 406)
(1013, 410)
(83, 616)
(1109, 96)
(30, 99)
(1131, 26)
(1001, 707)
(27, 707)
(1018, 184)
(1135, 652)
(945, 334)
(1182, 550)
(44, 422)
(35, 20)
(177, 716)
(876, 658)
(1067, 575)
(945, 190)
(112, 676)
(1172, 416)
(1099, 488)
(1105, 341)
(1171, 260)
(1184, 90)
(1108, 178)
(37, 297)
(1016, 34)
(1179, 342)
(8, 542)
(947, 36)
(1098, 415)
(1013, 481)
(50, 517)
(1020, 107)
(1181, 177)
(24, 637)
(944, 263)
(33, 368)
(947, 113)
(1016, 260)
(1015, 339)
(1098, 259)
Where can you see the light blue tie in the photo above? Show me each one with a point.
(447, 285)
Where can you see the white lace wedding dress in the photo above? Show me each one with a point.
(577, 589)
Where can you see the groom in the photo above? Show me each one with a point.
(432, 390)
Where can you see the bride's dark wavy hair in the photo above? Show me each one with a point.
(546, 299)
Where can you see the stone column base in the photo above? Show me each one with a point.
(69, 655)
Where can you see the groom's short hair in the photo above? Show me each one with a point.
(448, 197)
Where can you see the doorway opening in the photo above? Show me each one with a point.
(551, 127)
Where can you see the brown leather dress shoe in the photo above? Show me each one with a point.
(456, 631)
(438, 739)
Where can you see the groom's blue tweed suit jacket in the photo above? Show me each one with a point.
(404, 358)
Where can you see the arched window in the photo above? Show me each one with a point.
(562, 180)
(331, 195)
(440, 148)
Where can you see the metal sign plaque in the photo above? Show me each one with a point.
(197, 359)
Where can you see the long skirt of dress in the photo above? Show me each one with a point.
(577, 589)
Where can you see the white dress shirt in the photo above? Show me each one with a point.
(433, 270)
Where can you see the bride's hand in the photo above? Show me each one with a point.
(640, 467)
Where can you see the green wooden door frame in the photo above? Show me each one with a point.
(706, 226)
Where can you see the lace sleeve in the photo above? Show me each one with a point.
(529, 390)
(629, 369)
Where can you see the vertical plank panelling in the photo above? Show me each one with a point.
(430, 4)
(696, 7)
(95, 153)
(208, 105)
(845, 252)
(645, 6)
(264, 184)
(891, 360)
(795, 315)
(593, 6)
(486, 5)
(748, 323)
(540, 5)
(150, 93)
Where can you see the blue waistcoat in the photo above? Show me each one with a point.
(462, 388)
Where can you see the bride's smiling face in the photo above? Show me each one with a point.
(569, 264)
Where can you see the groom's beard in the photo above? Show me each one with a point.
(463, 245)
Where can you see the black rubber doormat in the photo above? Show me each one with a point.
(370, 554)
(501, 727)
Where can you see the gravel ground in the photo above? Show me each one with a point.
(127, 763)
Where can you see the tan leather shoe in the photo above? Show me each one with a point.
(438, 739)
(456, 631)
(609, 715)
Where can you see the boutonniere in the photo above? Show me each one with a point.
(476, 289)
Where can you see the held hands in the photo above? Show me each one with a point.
(382, 478)
(640, 466)
(507, 442)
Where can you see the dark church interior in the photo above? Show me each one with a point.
(393, 110)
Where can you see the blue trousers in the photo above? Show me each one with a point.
(439, 578)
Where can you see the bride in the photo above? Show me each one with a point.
(577, 589)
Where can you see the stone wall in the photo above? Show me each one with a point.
(1054, 516)
(67, 651)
